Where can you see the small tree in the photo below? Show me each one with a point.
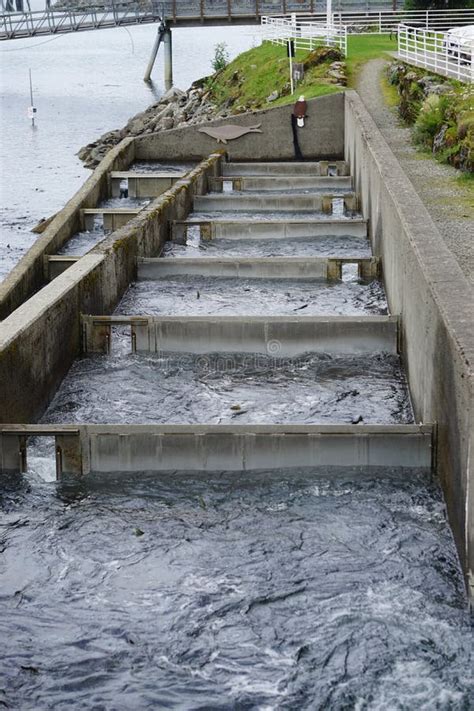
(221, 57)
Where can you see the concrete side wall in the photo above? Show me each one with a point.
(28, 275)
(41, 338)
(321, 138)
(426, 287)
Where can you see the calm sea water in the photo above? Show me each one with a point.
(83, 85)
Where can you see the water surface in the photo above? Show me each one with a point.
(274, 590)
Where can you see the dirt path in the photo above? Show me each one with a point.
(450, 204)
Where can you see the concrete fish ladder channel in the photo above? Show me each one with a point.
(351, 188)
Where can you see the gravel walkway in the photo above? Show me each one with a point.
(450, 204)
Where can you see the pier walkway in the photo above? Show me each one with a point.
(18, 25)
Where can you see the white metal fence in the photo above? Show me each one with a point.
(436, 52)
(385, 21)
(306, 35)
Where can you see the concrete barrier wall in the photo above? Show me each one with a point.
(28, 275)
(321, 138)
(83, 449)
(426, 287)
(269, 335)
(42, 337)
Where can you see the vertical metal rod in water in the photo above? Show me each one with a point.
(31, 102)
(168, 59)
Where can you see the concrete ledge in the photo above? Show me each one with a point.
(295, 169)
(275, 336)
(56, 264)
(425, 285)
(258, 268)
(142, 185)
(254, 202)
(129, 448)
(221, 228)
(114, 218)
(263, 183)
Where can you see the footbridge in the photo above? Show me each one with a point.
(97, 16)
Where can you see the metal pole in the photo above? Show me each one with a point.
(291, 74)
(168, 59)
(154, 51)
(31, 101)
(329, 13)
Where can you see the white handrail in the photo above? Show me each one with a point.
(385, 21)
(306, 35)
(436, 51)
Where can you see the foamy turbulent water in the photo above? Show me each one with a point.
(305, 589)
(223, 388)
(197, 295)
(275, 590)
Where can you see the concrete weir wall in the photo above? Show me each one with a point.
(42, 337)
(323, 137)
(425, 285)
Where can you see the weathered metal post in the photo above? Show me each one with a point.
(154, 51)
(168, 45)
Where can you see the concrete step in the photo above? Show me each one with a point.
(142, 185)
(261, 268)
(293, 182)
(56, 264)
(277, 336)
(255, 202)
(83, 449)
(336, 167)
(222, 228)
(113, 217)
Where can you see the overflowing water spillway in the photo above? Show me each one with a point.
(218, 331)
(244, 511)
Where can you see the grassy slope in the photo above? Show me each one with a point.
(255, 74)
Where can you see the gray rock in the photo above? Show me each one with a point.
(438, 140)
(167, 123)
(273, 96)
(440, 89)
(171, 95)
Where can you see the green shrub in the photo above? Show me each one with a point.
(430, 119)
(221, 57)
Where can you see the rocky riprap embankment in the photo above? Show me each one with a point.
(176, 108)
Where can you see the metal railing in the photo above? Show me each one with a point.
(63, 18)
(37, 24)
(436, 52)
(305, 35)
(386, 21)
(359, 16)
